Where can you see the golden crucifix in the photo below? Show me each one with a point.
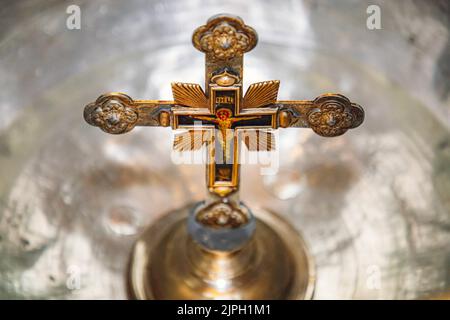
(223, 108)
(217, 248)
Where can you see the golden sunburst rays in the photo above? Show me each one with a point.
(261, 94)
(254, 139)
(258, 94)
(258, 140)
(191, 140)
(189, 94)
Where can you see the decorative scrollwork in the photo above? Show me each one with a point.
(222, 215)
(334, 114)
(225, 37)
(112, 113)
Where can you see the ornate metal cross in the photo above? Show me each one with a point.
(226, 116)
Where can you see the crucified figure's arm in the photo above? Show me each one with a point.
(206, 118)
(233, 120)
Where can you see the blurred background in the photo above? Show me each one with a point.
(373, 205)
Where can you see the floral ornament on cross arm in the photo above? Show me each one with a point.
(334, 114)
(112, 113)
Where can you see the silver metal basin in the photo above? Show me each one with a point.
(373, 205)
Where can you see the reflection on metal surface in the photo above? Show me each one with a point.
(375, 206)
(178, 268)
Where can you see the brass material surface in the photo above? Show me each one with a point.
(224, 37)
(284, 119)
(261, 94)
(167, 264)
(225, 79)
(222, 215)
(189, 95)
